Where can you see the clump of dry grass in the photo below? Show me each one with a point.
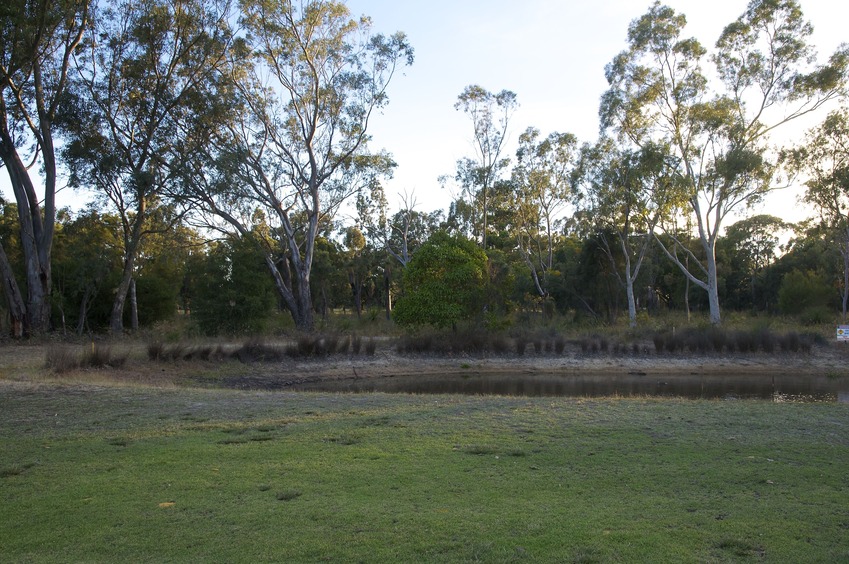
(255, 350)
(62, 358)
(716, 339)
(159, 351)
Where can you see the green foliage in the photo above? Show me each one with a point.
(801, 291)
(444, 283)
(329, 281)
(235, 293)
(86, 268)
(157, 289)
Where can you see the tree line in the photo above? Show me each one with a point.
(222, 142)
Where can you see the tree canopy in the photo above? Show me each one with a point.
(444, 284)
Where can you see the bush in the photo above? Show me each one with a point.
(443, 284)
(235, 292)
(816, 315)
(803, 291)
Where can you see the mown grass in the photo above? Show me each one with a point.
(104, 474)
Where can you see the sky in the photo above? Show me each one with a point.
(551, 53)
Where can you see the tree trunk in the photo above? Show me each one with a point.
(356, 291)
(484, 218)
(305, 302)
(134, 306)
(17, 309)
(632, 302)
(713, 290)
(35, 244)
(845, 254)
(387, 289)
(116, 320)
(132, 242)
(83, 315)
(282, 275)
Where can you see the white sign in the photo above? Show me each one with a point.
(843, 332)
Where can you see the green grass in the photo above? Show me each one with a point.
(106, 474)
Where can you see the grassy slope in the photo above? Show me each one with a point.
(140, 474)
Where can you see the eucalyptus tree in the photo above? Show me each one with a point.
(147, 63)
(401, 233)
(230, 298)
(37, 40)
(490, 114)
(543, 182)
(358, 265)
(753, 243)
(824, 158)
(309, 78)
(626, 193)
(718, 130)
(86, 266)
(15, 306)
(398, 235)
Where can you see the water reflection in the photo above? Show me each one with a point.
(777, 388)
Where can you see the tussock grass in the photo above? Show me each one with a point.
(288, 495)
(63, 358)
(700, 340)
(719, 340)
(258, 350)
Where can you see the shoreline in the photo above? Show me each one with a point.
(27, 363)
(819, 362)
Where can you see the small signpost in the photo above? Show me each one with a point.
(843, 333)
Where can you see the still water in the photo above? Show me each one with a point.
(776, 388)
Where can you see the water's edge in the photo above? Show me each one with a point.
(777, 388)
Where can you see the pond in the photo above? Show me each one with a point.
(782, 388)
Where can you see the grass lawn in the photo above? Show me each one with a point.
(111, 474)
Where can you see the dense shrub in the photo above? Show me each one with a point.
(803, 291)
(444, 283)
(234, 293)
(816, 315)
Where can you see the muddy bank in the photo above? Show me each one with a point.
(822, 361)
